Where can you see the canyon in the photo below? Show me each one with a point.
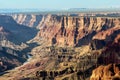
(63, 47)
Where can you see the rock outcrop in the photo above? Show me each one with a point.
(108, 72)
(110, 56)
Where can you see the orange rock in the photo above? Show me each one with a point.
(107, 72)
(77, 31)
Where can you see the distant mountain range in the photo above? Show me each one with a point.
(58, 10)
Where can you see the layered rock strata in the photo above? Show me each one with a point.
(77, 31)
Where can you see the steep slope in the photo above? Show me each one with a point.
(19, 33)
(111, 53)
(110, 58)
(69, 30)
(103, 38)
(30, 20)
(77, 31)
(13, 47)
(4, 33)
(10, 58)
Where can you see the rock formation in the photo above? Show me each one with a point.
(77, 31)
(70, 30)
(13, 36)
(10, 58)
(111, 53)
(110, 56)
(30, 20)
(15, 31)
(63, 42)
(108, 72)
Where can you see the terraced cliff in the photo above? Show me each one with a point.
(30, 20)
(70, 30)
(77, 31)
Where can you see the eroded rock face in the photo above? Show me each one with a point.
(11, 28)
(12, 42)
(30, 20)
(109, 34)
(108, 72)
(77, 31)
(10, 58)
(70, 30)
(111, 53)
(110, 57)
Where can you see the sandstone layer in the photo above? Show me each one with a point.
(30, 20)
(77, 31)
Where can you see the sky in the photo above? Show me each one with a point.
(59, 4)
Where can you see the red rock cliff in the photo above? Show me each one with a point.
(77, 31)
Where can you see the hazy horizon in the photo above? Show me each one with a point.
(55, 4)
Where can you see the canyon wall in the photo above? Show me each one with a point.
(77, 31)
(30, 20)
(13, 31)
(13, 38)
(70, 30)
(97, 32)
